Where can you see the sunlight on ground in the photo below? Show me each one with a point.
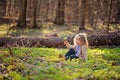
(62, 31)
(46, 63)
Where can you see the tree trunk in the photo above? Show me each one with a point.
(108, 40)
(2, 7)
(76, 11)
(82, 15)
(38, 12)
(59, 19)
(34, 22)
(117, 15)
(8, 6)
(32, 42)
(22, 15)
(109, 15)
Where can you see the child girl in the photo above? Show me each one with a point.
(79, 49)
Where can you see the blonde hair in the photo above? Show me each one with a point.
(83, 37)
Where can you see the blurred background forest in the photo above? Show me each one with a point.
(61, 18)
(92, 14)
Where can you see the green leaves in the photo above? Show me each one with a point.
(1, 78)
(45, 64)
(15, 75)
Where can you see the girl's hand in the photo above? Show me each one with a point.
(66, 43)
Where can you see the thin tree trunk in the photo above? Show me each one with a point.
(117, 16)
(76, 10)
(34, 22)
(22, 15)
(8, 8)
(82, 15)
(48, 9)
(59, 19)
(109, 15)
(38, 10)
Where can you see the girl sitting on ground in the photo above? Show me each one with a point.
(79, 49)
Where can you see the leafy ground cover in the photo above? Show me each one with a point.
(49, 64)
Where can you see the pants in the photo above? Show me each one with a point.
(70, 54)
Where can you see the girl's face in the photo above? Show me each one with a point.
(78, 41)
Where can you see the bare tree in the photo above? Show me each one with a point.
(34, 22)
(59, 19)
(82, 15)
(109, 14)
(22, 15)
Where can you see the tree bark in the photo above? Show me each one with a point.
(8, 6)
(22, 15)
(82, 15)
(34, 22)
(32, 42)
(59, 19)
(108, 40)
(117, 15)
(109, 15)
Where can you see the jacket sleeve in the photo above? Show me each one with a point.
(71, 46)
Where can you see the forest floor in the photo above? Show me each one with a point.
(61, 31)
(49, 64)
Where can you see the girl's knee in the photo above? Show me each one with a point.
(71, 49)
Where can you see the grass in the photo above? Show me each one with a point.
(45, 64)
(62, 31)
(29, 32)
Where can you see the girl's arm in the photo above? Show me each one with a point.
(69, 45)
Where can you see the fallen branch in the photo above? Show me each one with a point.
(32, 42)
